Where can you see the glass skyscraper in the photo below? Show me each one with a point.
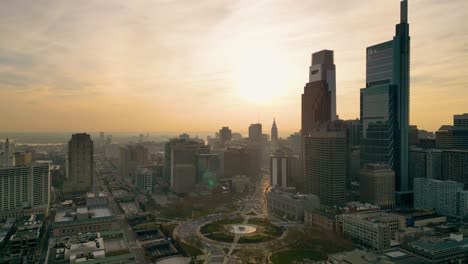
(385, 105)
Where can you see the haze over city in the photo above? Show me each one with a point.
(233, 132)
(167, 66)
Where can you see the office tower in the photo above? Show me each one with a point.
(274, 133)
(209, 169)
(319, 97)
(385, 106)
(144, 179)
(255, 133)
(132, 156)
(183, 165)
(80, 164)
(23, 158)
(424, 163)
(184, 136)
(353, 131)
(295, 143)
(454, 137)
(102, 138)
(325, 161)
(455, 166)
(413, 136)
(225, 135)
(460, 121)
(280, 169)
(378, 185)
(7, 158)
(354, 151)
(24, 190)
(235, 161)
(443, 196)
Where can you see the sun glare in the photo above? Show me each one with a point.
(261, 75)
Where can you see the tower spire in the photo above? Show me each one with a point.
(404, 11)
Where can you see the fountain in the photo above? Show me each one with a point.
(242, 229)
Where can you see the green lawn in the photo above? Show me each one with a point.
(217, 231)
(197, 206)
(191, 250)
(285, 257)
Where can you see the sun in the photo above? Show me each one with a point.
(261, 75)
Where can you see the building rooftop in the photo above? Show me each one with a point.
(67, 214)
(433, 244)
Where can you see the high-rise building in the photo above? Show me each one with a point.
(225, 135)
(378, 185)
(295, 143)
(354, 151)
(144, 179)
(274, 133)
(24, 190)
(460, 121)
(280, 169)
(255, 133)
(209, 170)
(455, 166)
(319, 97)
(385, 106)
(424, 163)
(413, 136)
(454, 137)
(7, 158)
(443, 196)
(325, 161)
(80, 164)
(131, 157)
(183, 165)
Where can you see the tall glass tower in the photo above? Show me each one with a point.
(385, 105)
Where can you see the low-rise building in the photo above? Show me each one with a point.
(372, 230)
(320, 219)
(26, 238)
(239, 183)
(452, 249)
(106, 247)
(74, 220)
(358, 256)
(290, 205)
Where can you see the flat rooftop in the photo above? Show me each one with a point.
(71, 213)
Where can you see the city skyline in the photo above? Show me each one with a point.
(249, 67)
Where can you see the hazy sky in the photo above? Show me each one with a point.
(197, 65)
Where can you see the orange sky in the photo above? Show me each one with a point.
(198, 65)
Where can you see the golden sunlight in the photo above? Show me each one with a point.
(261, 75)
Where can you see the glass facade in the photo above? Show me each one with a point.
(379, 66)
(377, 122)
(385, 104)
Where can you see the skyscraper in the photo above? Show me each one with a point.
(280, 169)
(385, 105)
(456, 136)
(319, 97)
(183, 165)
(274, 133)
(80, 164)
(225, 135)
(255, 133)
(325, 161)
(132, 156)
(7, 157)
(24, 190)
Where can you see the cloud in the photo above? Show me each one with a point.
(113, 60)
